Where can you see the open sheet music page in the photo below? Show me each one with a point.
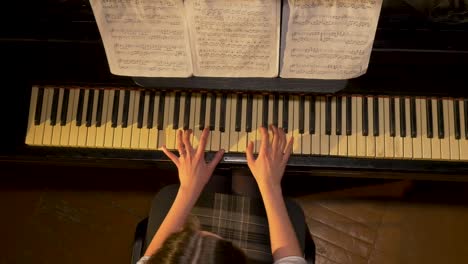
(329, 39)
(144, 37)
(234, 38)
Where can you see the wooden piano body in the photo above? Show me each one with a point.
(54, 47)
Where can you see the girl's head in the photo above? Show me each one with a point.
(191, 245)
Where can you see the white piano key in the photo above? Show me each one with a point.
(389, 140)
(57, 129)
(92, 130)
(306, 137)
(408, 141)
(398, 140)
(316, 137)
(101, 130)
(417, 141)
(297, 145)
(343, 139)
(435, 141)
(216, 134)
(65, 132)
(280, 112)
(127, 132)
(154, 132)
(207, 120)
(251, 136)
(39, 133)
(258, 135)
(233, 134)
(324, 138)
(47, 137)
(196, 129)
(380, 140)
(109, 134)
(118, 130)
(463, 140)
(271, 101)
(242, 143)
(162, 132)
(334, 148)
(360, 139)
(73, 139)
(135, 143)
(454, 145)
(144, 131)
(193, 113)
(32, 112)
(370, 139)
(225, 135)
(290, 118)
(445, 142)
(83, 130)
(352, 139)
(425, 140)
(170, 131)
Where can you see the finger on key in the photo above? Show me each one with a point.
(188, 145)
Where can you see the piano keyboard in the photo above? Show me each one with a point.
(349, 126)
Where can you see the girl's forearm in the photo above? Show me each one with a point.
(175, 218)
(283, 239)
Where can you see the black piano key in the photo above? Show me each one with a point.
(162, 99)
(201, 120)
(339, 115)
(248, 120)
(392, 118)
(99, 108)
(312, 115)
(89, 111)
(413, 119)
(465, 108)
(375, 113)
(64, 113)
(265, 111)
(38, 112)
(53, 112)
(141, 109)
(187, 110)
(176, 110)
(402, 117)
(222, 113)
(79, 111)
(440, 119)
(238, 113)
(430, 132)
(349, 119)
(275, 110)
(285, 113)
(149, 122)
(301, 114)
(115, 108)
(328, 115)
(365, 117)
(456, 122)
(126, 109)
(213, 112)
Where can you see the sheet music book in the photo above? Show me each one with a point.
(328, 39)
(234, 38)
(165, 38)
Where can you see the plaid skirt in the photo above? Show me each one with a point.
(239, 219)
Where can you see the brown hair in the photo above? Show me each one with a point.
(189, 246)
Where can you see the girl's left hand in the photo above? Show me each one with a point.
(193, 170)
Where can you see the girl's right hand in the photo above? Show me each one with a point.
(268, 168)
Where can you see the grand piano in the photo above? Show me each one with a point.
(406, 118)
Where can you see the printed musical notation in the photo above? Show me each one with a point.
(329, 39)
(144, 37)
(234, 38)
